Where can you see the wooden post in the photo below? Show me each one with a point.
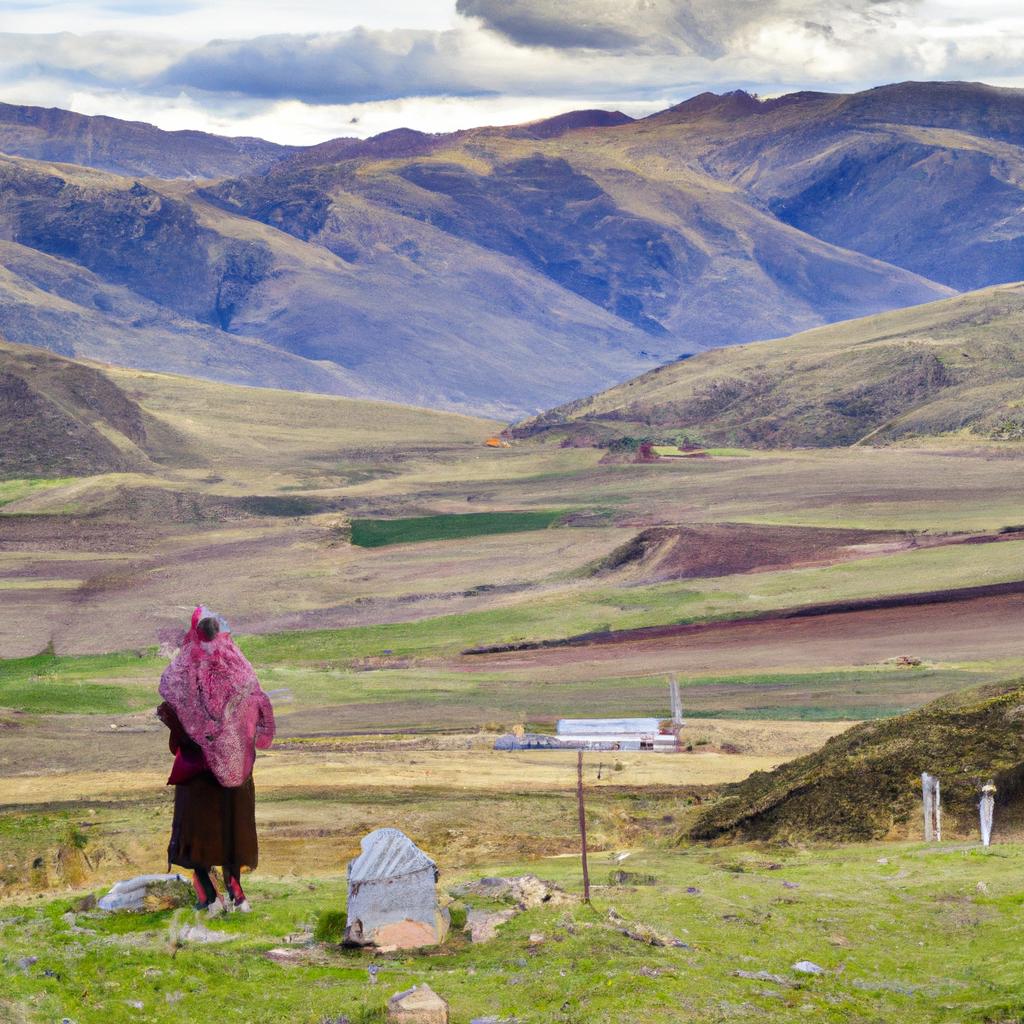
(583, 825)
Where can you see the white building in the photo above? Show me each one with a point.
(617, 734)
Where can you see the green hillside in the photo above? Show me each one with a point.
(932, 369)
(865, 783)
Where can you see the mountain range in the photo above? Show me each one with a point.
(502, 271)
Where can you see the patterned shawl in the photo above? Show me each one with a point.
(218, 700)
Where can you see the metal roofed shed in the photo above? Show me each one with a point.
(616, 734)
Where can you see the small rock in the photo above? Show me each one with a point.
(645, 933)
(483, 925)
(198, 933)
(26, 962)
(807, 967)
(136, 1004)
(760, 976)
(536, 938)
(417, 1005)
(982, 888)
(790, 885)
(883, 861)
(526, 890)
(285, 956)
(693, 890)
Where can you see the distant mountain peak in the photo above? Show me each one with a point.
(574, 120)
(738, 103)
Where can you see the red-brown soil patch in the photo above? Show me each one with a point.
(947, 626)
(721, 549)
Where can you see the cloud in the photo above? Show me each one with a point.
(356, 66)
(703, 27)
(109, 58)
(313, 75)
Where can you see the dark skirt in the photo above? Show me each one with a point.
(213, 825)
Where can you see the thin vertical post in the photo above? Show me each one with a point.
(932, 799)
(985, 808)
(583, 825)
(676, 702)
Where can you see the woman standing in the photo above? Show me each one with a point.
(218, 716)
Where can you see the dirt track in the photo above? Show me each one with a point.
(985, 627)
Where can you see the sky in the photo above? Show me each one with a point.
(304, 71)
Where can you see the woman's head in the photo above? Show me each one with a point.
(208, 628)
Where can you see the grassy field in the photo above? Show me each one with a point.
(378, 533)
(923, 934)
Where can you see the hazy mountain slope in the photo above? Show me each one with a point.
(61, 306)
(506, 270)
(680, 256)
(424, 318)
(926, 175)
(930, 369)
(128, 147)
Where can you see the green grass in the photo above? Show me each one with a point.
(84, 684)
(913, 939)
(14, 490)
(376, 533)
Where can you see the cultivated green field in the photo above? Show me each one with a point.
(377, 533)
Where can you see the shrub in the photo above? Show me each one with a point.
(330, 926)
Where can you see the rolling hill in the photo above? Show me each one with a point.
(505, 270)
(865, 783)
(930, 369)
(62, 417)
(129, 147)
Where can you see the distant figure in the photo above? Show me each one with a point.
(218, 716)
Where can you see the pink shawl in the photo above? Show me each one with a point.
(214, 691)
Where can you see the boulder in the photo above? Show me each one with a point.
(417, 1005)
(148, 893)
(392, 895)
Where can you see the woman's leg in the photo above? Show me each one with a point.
(233, 884)
(204, 886)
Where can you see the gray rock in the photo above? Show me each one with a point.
(483, 925)
(392, 895)
(417, 1005)
(26, 962)
(131, 894)
(760, 976)
(198, 933)
(527, 891)
(807, 967)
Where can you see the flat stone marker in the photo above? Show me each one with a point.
(417, 1005)
(392, 895)
(131, 894)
